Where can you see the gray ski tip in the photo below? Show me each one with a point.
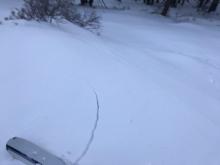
(31, 154)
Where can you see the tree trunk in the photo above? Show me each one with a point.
(83, 2)
(90, 3)
(213, 6)
(201, 3)
(173, 3)
(166, 7)
(182, 3)
(152, 2)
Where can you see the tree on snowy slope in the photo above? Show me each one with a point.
(166, 7)
(202, 5)
(85, 2)
(208, 5)
(213, 6)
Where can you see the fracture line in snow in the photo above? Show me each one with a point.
(92, 135)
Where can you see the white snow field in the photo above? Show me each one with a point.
(157, 81)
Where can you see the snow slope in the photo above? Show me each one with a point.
(158, 85)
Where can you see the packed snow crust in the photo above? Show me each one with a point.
(157, 81)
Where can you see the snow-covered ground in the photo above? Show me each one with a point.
(158, 86)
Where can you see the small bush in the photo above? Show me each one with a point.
(55, 10)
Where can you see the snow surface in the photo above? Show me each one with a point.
(158, 84)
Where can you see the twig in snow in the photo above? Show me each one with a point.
(92, 135)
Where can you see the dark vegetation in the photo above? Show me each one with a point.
(67, 10)
(205, 6)
(56, 10)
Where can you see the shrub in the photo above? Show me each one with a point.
(56, 10)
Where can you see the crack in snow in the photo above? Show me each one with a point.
(92, 135)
